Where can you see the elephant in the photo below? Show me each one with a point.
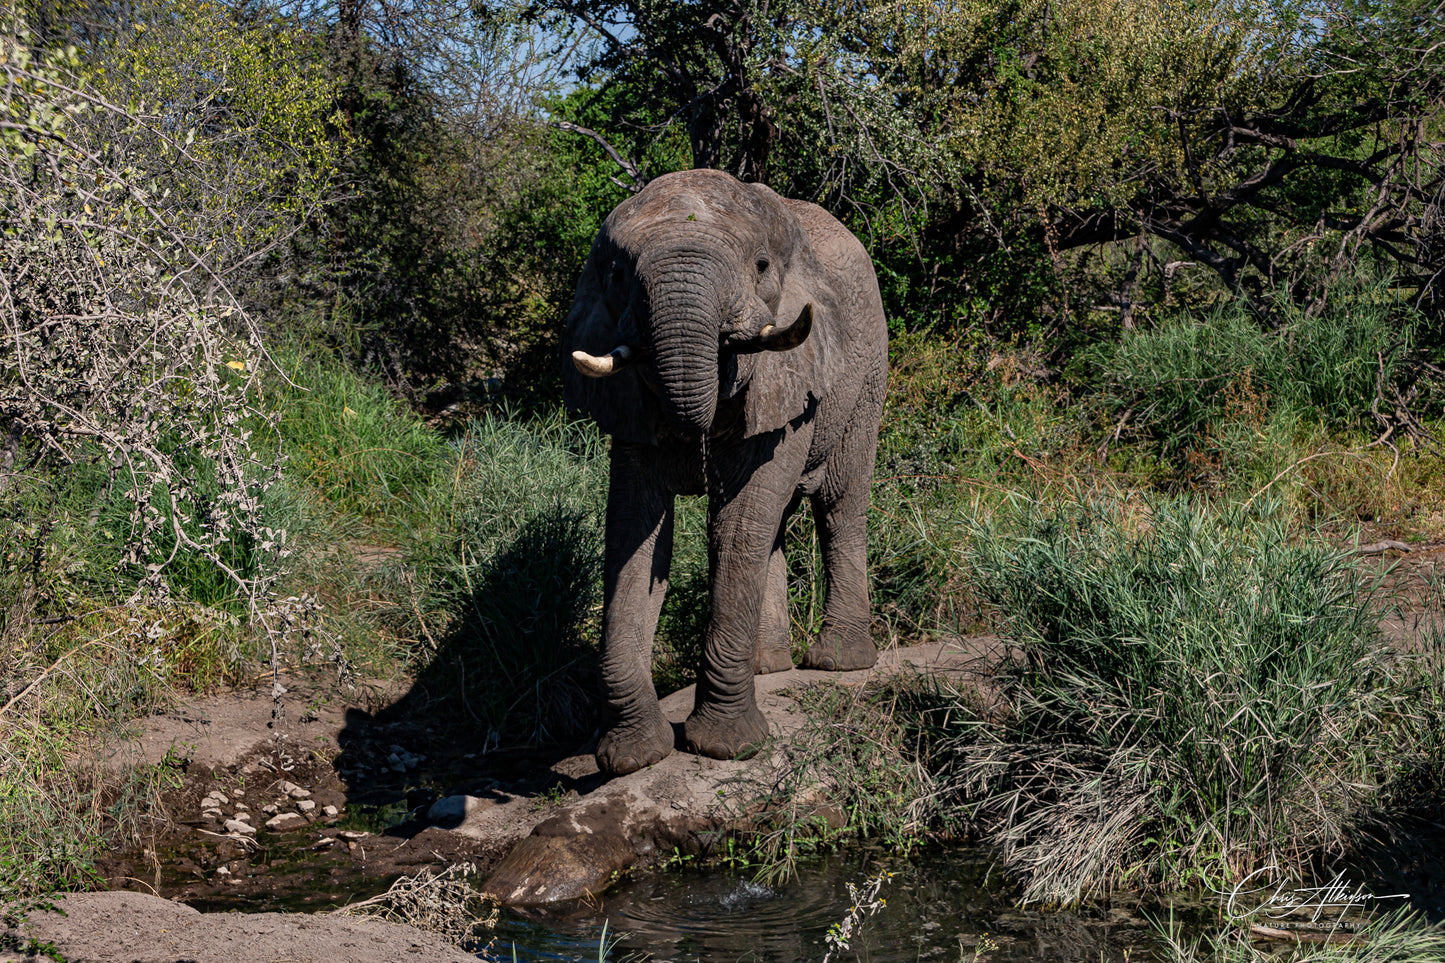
(733, 343)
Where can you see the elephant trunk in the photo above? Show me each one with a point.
(686, 315)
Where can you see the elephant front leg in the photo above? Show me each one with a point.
(746, 513)
(637, 558)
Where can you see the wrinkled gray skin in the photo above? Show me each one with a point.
(753, 366)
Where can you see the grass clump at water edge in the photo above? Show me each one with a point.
(1194, 695)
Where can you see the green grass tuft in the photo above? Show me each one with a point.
(1196, 694)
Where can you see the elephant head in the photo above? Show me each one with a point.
(699, 289)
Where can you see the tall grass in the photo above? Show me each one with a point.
(1182, 383)
(507, 586)
(1196, 694)
(362, 451)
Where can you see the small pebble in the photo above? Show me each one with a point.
(236, 826)
(331, 812)
(305, 805)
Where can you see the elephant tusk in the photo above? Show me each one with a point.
(771, 338)
(608, 364)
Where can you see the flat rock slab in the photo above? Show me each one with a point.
(688, 802)
(115, 926)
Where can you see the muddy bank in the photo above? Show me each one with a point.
(324, 796)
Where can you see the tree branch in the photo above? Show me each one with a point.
(628, 166)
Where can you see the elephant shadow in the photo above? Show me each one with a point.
(506, 693)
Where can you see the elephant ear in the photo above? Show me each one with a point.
(782, 385)
(619, 404)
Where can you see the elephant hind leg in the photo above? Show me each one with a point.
(840, 509)
(845, 641)
(773, 651)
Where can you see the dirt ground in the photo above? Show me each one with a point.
(122, 926)
(284, 807)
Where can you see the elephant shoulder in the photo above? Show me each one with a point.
(836, 247)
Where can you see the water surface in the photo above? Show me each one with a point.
(940, 906)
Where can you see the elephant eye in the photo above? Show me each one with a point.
(763, 266)
(618, 274)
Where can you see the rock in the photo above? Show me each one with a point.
(270, 809)
(682, 802)
(294, 791)
(305, 805)
(223, 871)
(236, 826)
(330, 812)
(211, 813)
(448, 809)
(281, 822)
(242, 807)
(544, 869)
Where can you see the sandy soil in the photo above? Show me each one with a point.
(121, 926)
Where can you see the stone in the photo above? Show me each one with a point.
(330, 812)
(282, 822)
(305, 805)
(295, 791)
(270, 809)
(448, 809)
(236, 826)
(545, 869)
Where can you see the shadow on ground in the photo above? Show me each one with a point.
(509, 691)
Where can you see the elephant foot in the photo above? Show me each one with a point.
(772, 659)
(629, 747)
(725, 737)
(841, 652)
